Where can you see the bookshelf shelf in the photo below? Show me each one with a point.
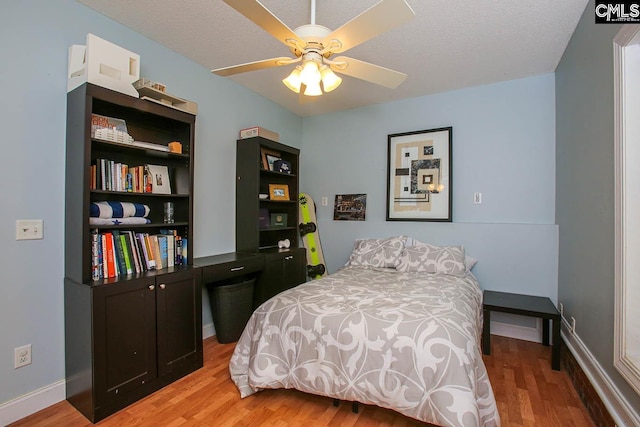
(132, 333)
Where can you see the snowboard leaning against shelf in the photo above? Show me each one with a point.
(310, 237)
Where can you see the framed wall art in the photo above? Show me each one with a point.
(419, 181)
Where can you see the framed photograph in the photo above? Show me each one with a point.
(278, 219)
(159, 177)
(419, 185)
(278, 192)
(350, 207)
(268, 158)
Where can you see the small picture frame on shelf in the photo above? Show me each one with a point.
(263, 218)
(159, 176)
(268, 158)
(282, 166)
(278, 219)
(271, 161)
(279, 192)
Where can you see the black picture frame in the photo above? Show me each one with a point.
(419, 175)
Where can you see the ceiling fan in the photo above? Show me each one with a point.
(314, 46)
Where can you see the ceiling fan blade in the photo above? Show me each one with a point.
(369, 72)
(378, 19)
(262, 17)
(253, 66)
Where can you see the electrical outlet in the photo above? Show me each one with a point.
(29, 229)
(561, 307)
(22, 356)
(573, 325)
(477, 198)
(325, 200)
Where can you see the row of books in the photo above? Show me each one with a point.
(110, 175)
(120, 252)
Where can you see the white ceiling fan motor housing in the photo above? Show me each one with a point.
(313, 35)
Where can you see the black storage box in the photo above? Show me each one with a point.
(231, 307)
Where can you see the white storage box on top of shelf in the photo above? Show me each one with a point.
(104, 64)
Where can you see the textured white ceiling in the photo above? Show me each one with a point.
(450, 44)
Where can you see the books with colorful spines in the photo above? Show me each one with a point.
(142, 243)
(156, 251)
(185, 251)
(171, 250)
(163, 246)
(119, 254)
(127, 256)
(133, 251)
(150, 255)
(103, 247)
(95, 259)
(102, 177)
(111, 261)
(178, 250)
(92, 177)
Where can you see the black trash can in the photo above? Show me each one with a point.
(231, 307)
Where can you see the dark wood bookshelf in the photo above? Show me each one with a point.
(130, 335)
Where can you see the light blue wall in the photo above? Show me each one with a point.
(35, 36)
(503, 146)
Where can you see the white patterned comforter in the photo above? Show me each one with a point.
(405, 341)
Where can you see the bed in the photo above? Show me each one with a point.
(398, 327)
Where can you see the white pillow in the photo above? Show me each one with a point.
(381, 253)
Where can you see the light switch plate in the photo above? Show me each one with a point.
(29, 229)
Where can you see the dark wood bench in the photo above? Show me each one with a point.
(524, 305)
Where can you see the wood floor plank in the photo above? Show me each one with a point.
(528, 393)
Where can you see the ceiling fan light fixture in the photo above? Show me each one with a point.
(330, 80)
(313, 89)
(310, 74)
(293, 80)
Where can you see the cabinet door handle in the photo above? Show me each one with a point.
(288, 257)
(151, 287)
(162, 286)
(237, 268)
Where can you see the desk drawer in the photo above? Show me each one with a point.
(228, 270)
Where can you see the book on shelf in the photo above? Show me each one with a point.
(150, 146)
(110, 262)
(163, 246)
(99, 121)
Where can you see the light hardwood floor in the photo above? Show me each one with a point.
(527, 391)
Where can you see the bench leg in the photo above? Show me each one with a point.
(545, 332)
(486, 332)
(555, 351)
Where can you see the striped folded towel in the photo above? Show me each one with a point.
(119, 221)
(118, 210)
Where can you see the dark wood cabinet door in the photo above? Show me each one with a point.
(295, 268)
(179, 302)
(125, 338)
(283, 270)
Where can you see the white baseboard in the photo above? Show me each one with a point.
(37, 400)
(619, 408)
(30, 403)
(208, 331)
(516, 331)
